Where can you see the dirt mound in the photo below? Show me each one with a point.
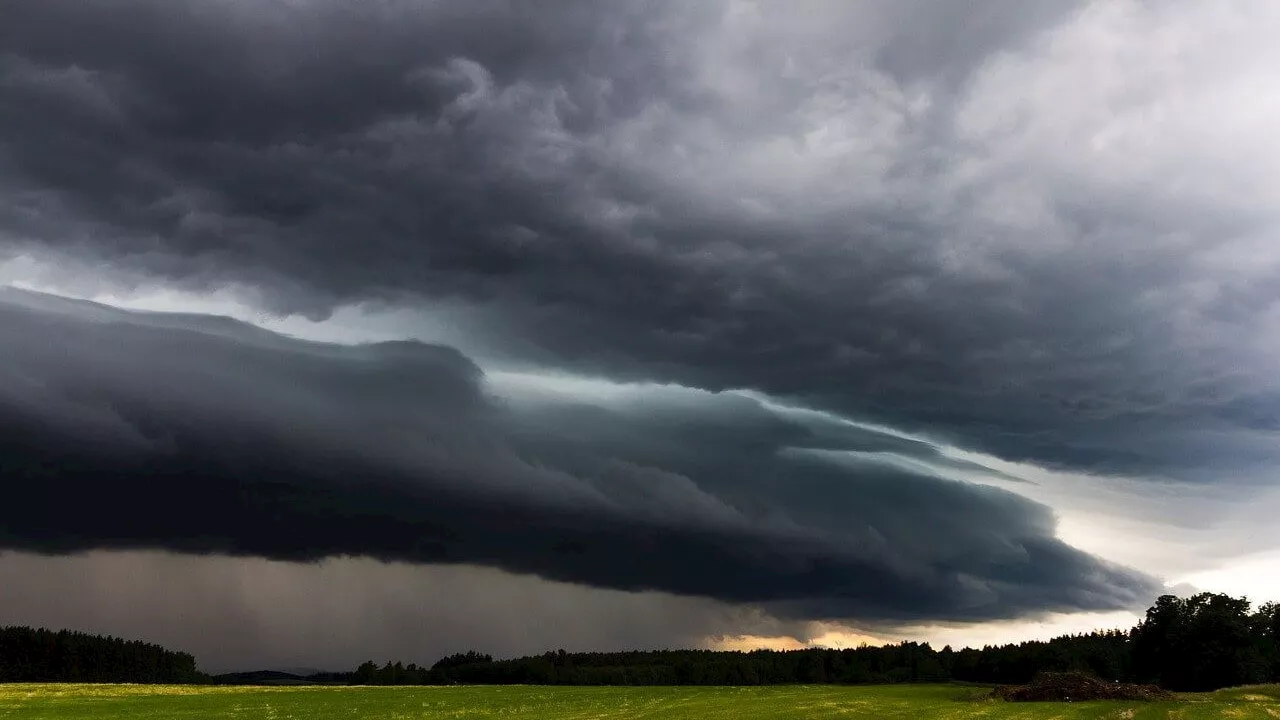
(1072, 687)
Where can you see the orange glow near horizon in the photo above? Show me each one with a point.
(836, 635)
(821, 635)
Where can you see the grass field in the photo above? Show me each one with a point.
(918, 702)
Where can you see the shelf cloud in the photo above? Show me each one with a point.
(880, 291)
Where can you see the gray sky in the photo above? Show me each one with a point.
(847, 316)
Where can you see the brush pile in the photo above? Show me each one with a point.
(1074, 687)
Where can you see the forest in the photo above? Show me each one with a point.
(39, 655)
(1203, 642)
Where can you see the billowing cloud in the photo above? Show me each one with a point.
(964, 233)
(203, 435)
(851, 260)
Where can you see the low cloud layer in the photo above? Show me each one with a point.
(202, 435)
(1044, 230)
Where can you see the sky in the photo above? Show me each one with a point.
(341, 331)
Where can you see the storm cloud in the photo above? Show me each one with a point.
(202, 435)
(896, 313)
(937, 219)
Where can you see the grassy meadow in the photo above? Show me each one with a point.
(914, 702)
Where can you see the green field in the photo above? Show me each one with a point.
(28, 702)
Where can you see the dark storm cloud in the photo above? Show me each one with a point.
(871, 208)
(200, 435)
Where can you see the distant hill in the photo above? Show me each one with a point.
(293, 676)
(302, 672)
(261, 677)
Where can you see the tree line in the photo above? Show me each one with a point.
(31, 655)
(1203, 642)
